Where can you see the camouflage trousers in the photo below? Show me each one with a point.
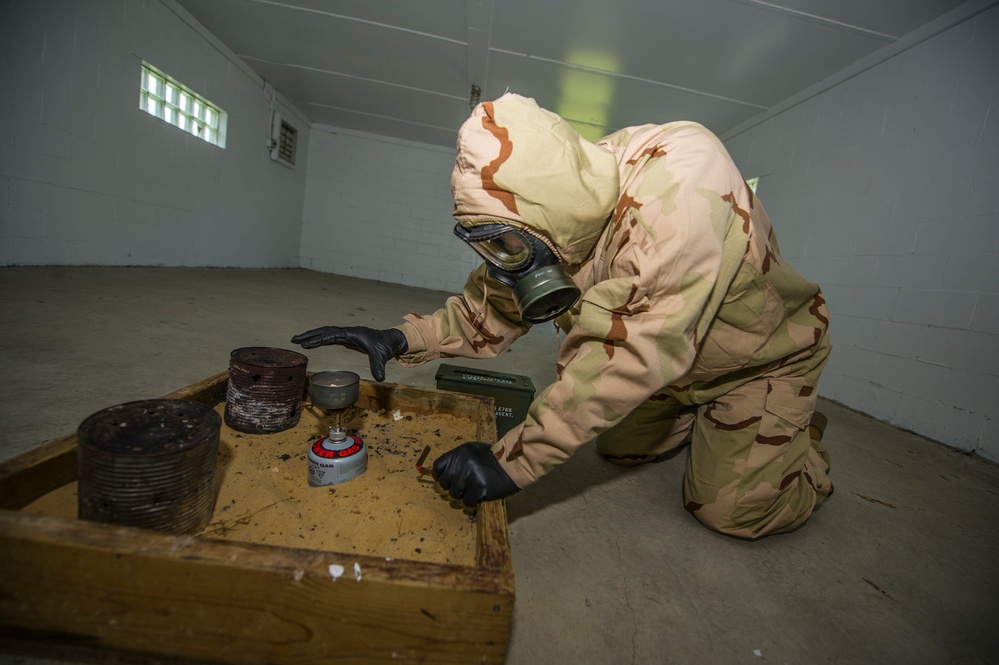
(753, 467)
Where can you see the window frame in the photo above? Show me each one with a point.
(173, 102)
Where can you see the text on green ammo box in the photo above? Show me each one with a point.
(512, 394)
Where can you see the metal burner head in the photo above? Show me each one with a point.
(334, 389)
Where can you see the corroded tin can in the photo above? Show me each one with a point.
(266, 389)
(149, 464)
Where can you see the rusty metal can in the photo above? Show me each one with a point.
(266, 389)
(149, 464)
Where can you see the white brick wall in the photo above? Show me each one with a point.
(885, 190)
(89, 178)
(380, 209)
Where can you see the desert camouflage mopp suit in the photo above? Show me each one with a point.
(691, 326)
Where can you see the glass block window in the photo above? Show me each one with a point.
(165, 98)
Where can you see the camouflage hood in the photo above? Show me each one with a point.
(523, 165)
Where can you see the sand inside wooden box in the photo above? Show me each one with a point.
(392, 510)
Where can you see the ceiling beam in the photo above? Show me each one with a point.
(479, 35)
(354, 19)
(354, 77)
(778, 9)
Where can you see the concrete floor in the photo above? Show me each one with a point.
(901, 565)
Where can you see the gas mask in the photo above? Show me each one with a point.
(514, 257)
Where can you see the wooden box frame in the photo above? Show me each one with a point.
(76, 589)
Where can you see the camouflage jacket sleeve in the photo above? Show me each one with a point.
(479, 323)
(650, 289)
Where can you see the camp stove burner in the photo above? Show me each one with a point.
(339, 456)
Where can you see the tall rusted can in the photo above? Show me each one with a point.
(149, 464)
(266, 389)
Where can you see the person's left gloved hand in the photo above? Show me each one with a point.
(472, 474)
(380, 345)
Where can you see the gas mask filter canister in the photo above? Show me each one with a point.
(541, 289)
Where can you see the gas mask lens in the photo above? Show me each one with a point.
(508, 251)
(501, 245)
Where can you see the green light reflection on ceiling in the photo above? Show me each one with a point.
(585, 97)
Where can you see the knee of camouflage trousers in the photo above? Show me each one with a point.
(753, 469)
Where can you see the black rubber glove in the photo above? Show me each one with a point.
(380, 345)
(472, 474)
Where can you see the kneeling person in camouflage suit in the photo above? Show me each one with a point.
(683, 322)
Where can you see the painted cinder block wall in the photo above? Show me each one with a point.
(87, 178)
(885, 190)
(380, 208)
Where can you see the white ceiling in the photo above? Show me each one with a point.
(405, 68)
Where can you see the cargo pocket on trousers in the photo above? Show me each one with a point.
(792, 400)
(778, 453)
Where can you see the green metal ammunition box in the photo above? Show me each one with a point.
(512, 394)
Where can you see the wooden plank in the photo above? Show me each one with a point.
(129, 589)
(492, 538)
(37, 472)
(210, 391)
(491, 522)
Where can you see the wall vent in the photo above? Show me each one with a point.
(284, 141)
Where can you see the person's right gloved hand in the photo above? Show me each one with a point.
(380, 345)
(472, 474)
